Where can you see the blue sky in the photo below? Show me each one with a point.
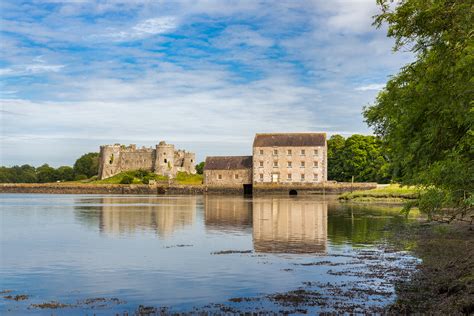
(204, 75)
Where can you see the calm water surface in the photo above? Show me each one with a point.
(111, 254)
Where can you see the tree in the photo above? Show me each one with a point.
(425, 113)
(65, 173)
(359, 156)
(46, 174)
(87, 165)
(200, 167)
(335, 162)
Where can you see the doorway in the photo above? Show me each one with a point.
(248, 189)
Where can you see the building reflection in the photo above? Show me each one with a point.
(120, 215)
(287, 225)
(227, 213)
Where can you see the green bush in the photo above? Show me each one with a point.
(127, 179)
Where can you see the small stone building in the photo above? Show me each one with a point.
(228, 171)
(289, 158)
(163, 160)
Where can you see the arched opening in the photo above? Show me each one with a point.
(293, 192)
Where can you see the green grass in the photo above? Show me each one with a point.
(136, 175)
(186, 178)
(393, 192)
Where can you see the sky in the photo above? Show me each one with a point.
(203, 75)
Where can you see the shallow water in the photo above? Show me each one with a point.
(111, 254)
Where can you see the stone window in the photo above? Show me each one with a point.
(275, 152)
(261, 151)
(302, 176)
(165, 161)
(289, 152)
(302, 164)
(316, 152)
(316, 164)
(289, 164)
(289, 176)
(191, 160)
(261, 164)
(219, 176)
(236, 176)
(316, 177)
(261, 177)
(303, 152)
(275, 164)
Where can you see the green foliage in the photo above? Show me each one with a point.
(200, 167)
(46, 174)
(18, 174)
(137, 177)
(87, 164)
(186, 178)
(65, 173)
(359, 156)
(425, 114)
(80, 177)
(126, 179)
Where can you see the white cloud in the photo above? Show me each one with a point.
(372, 86)
(146, 28)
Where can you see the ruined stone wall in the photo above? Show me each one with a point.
(288, 165)
(117, 158)
(228, 177)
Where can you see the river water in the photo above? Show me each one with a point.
(93, 254)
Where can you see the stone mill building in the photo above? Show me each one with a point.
(277, 159)
(163, 159)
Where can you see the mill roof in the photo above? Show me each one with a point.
(289, 139)
(228, 163)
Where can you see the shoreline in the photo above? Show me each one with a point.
(160, 189)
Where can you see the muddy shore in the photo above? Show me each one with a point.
(444, 282)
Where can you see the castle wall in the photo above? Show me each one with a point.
(163, 160)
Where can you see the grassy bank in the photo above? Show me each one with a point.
(390, 193)
(444, 282)
(144, 177)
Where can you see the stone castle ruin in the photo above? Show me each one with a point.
(163, 160)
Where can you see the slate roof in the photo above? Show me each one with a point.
(228, 163)
(289, 139)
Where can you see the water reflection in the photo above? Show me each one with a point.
(284, 225)
(118, 215)
(227, 213)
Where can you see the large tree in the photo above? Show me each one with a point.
(425, 113)
(87, 165)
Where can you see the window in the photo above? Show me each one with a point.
(289, 176)
(275, 151)
(219, 177)
(261, 164)
(289, 164)
(316, 164)
(261, 151)
(289, 152)
(303, 152)
(302, 176)
(261, 177)
(191, 160)
(316, 177)
(165, 161)
(302, 164)
(275, 164)
(316, 152)
(236, 176)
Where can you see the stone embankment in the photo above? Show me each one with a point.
(83, 188)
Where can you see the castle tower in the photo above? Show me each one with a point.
(189, 163)
(164, 161)
(109, 161)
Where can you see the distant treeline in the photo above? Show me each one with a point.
(85, 167)
(357, 156)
